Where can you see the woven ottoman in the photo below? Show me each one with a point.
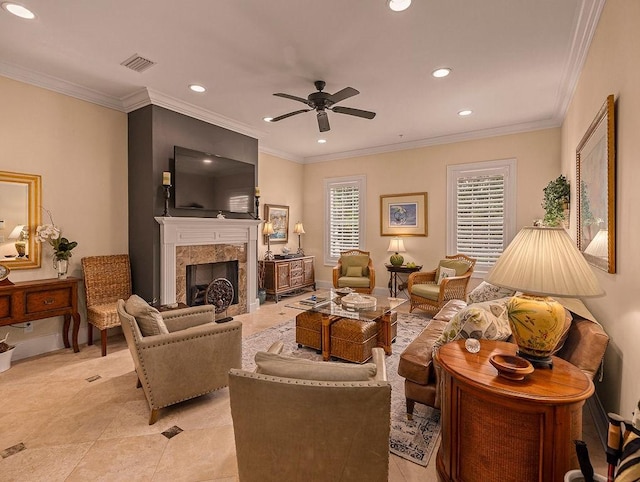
(353, 340)
(309, 329)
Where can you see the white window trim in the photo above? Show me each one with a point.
(329, 182)
(508, 167)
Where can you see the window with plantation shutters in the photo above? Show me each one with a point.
(345, 216)
(481, 210)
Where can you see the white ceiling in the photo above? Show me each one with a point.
(515, 64)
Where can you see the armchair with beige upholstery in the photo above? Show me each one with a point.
(184, 354)
(298, 419)
(425, 292)
(106, 280)
(355, 270)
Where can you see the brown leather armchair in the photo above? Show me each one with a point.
(425, 292)
(192, 359)
(355, 270)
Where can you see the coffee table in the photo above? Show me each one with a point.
(329, 307)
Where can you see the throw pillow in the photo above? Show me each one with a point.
(487, 292)
(354, 271)
(149, 319)
(292, 367)
(449, 310)
(355, 260)
(445, 273)
(475, 322)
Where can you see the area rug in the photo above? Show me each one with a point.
(413, 440)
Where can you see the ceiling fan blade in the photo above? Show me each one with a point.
(323, 121)
(357, 112)
(344, 94)
(284, 116)
(293, 97)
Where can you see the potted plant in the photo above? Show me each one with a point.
(6, 352)
(262, 291)
(50, 233)
(556, 201)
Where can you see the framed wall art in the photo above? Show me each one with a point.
(596, 185)
(403, 214)
(279, 216)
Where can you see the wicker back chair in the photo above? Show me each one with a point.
(362, 284)
(106, 280)
(452, 288)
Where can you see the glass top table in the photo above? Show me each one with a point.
(332, 307)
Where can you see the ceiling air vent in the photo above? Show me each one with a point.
(137, 63)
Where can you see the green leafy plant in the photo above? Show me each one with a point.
(51, 234)
(556, 198)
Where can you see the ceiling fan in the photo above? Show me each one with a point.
(321, 102)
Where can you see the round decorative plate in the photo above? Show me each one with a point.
(511, 366)
(358, 301)
(4, 272)
(219, 294)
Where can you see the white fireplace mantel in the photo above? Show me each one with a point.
(183, 231)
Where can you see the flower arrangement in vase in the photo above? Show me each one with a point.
(52, 234)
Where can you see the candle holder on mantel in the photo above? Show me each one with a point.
(257, 206)
(167, 196)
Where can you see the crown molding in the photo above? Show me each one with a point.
(281, 154)
(61, 86)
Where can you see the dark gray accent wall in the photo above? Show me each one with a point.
(153, 133)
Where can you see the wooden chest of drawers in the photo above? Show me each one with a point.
(35, 300)
(286, 275)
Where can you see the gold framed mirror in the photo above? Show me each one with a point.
(20, 198)
(596, 185)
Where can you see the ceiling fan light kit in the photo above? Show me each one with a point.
(321, 102)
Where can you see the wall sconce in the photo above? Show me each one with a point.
(299, 229)
(20, 234)
(267, 230)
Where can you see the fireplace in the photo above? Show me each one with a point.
(193, 241)
(200, 276)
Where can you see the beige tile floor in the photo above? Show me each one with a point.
(72, 429)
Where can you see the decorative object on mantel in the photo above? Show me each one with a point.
(166, 186)
(221, 215)
(541, 262)
(6, 352)
(556, 202)
(50, 233)
(267, 231)
(396, 245)
(257, 196)
(299, 230)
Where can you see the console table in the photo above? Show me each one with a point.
(35, 300)
(286, 275)
(497, 429)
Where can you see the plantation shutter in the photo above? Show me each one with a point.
(344, 218)
(480, 214)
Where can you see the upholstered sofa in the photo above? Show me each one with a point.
(583, 346)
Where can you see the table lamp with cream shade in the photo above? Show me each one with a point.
(396, 246)
(267, 230)
(21, 235)
(298, 229)
(541, 262)
(599, 245)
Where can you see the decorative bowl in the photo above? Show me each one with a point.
(511, 367)
(358, 301)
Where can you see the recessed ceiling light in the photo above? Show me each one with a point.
(18, 10)
(322, 141)
(267, 119)
(398, 5)
(443, 72)
(197, 88)
(464, 113)
(207, 161)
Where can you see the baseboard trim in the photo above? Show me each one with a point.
(600, 419)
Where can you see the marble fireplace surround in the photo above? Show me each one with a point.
(186, 241)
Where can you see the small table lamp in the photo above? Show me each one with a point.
(20, 234)
(396, 245)
(541, 262)
(267, 230)
(299, 229)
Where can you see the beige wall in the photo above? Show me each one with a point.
(80, 150)
(425, 169)
(280, 183)
(611, 68)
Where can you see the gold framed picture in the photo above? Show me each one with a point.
(279, 216)
(403, 214)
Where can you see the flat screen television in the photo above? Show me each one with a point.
(209, 182)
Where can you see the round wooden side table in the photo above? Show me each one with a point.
(498, 429)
